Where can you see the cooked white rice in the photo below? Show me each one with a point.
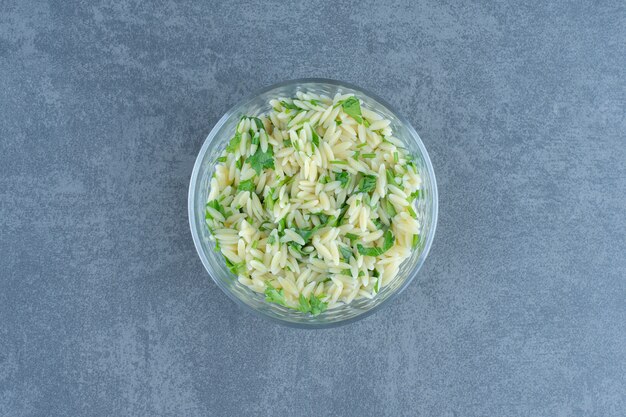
(311, 203)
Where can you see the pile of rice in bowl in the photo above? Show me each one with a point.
(312, 203)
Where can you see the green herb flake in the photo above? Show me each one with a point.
(346, 252)
(255, 138)
(367, 200)
(368, 251)
(313, 305)
(221, 159)
(352, 107)
(412, 212)
(234, 267)
(273, 295)
(305, 234)
(214, 204)
(366, 123)
(247, 185)
(297, 248)
(391, 177)
(377, 285)
(415, 194)
(285, 180)
(367, 184)
(233, 145)
(258, 123)
(323, 218)
(261, 160)
(317, 305)
(416, 241)
(396, 158)
(342, 214)
(368, 155)
(351, 236)
(239, 163)
(338, 122)
(268, 201)
(315, 139)
(303, 304)
(343, 177)
(389, 208)
(289, 106)
(356, 155)
(388, 240)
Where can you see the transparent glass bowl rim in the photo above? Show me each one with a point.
(195, 177)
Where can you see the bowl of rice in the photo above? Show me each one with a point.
(313, 203)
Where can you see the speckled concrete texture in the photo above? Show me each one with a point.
(106, 310)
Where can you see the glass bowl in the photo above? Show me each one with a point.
(425, 206)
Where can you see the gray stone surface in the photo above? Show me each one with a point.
(105, 308)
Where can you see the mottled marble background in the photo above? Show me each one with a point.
(106, 310)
